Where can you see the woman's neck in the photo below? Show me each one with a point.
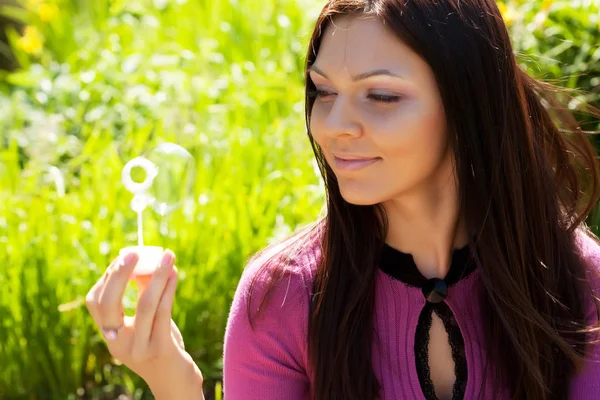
(426, 223)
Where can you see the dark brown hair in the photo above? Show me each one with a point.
(528, 178)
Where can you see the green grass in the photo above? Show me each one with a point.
(204, 75)
(112, 80)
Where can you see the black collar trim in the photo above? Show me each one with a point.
(401, 266)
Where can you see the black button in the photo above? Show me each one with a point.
(435, 290)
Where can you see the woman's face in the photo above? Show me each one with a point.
(378, 115)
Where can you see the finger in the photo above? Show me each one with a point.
(92, 297)
(148, 303)
(110, 305)
(162, 319)
(142, 282)
(176, 334)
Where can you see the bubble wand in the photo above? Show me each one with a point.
(174, 170)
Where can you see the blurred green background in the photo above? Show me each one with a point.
(86, 85)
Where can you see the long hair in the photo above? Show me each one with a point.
(527, 177)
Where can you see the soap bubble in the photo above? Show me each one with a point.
(162, 179)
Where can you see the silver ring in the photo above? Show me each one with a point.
(111, 334)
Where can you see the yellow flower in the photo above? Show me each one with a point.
(32, 41)
(546, 4)
(47, 12)
(508, 13)
(503, 8)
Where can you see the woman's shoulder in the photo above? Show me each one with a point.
(265, 352)
(588, 246)
(585, 385)
(284, 270)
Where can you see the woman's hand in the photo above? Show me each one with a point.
(149, 343)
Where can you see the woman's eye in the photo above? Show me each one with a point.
(325, 94)
(320, 93)
(384, 98)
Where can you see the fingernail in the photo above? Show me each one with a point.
(129, 258)
(167, 259)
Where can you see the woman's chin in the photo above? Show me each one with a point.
(360, 199)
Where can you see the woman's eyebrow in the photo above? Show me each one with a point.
(364, 75)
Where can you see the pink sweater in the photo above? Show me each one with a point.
(271, 362)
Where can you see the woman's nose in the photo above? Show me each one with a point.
(342, 118)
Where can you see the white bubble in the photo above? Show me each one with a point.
(175, 179)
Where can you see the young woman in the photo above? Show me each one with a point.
(453, 261)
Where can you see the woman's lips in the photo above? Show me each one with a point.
(354, 165)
